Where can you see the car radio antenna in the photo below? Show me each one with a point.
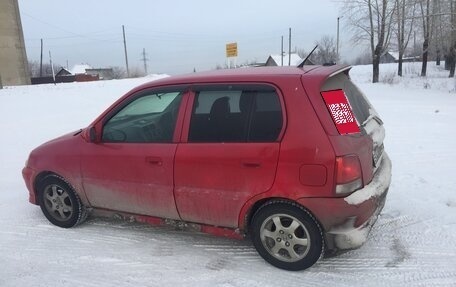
(307, 58)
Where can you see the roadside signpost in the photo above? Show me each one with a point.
(231, 52)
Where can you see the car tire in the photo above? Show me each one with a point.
(287, 236)
(60, 203)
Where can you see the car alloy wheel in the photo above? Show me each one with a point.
(59, 202)
(286, 235)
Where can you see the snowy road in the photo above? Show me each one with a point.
(412, 244)
(115, 253)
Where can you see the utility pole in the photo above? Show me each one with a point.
(144, 59)
(125, 49)
(289, 47)
(41, 59)
(337, 44)
(52, 67)
(281, 53)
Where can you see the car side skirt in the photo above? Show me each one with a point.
(178, 224)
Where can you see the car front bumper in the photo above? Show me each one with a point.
(29, 174)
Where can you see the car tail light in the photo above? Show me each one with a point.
(348, 174)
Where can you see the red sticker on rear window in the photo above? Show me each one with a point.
(341, 112)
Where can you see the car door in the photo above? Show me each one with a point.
(131, 169)
(229, 151)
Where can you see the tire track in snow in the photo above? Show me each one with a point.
(133, 250)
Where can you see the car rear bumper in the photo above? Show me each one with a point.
(348, 221)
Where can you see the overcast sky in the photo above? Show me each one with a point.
(178, 35)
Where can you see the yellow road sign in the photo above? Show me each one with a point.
(231, 50)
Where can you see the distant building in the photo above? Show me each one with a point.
(63, 72)
(389, 57)
(393, 57)
(103, 73)
(276, 60)
(253, 65)
(80, 69)
(77, 74)
(80, 73)
(13, 58)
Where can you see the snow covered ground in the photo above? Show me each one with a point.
(412, 244)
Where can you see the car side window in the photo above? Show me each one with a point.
(266, 120)
(236, 114)
(150, 118)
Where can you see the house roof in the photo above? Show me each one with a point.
(295, 59)
(80, 69)
(63, 72)
(395, 55)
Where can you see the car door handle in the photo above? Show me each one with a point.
(251, 164)
(154, 160)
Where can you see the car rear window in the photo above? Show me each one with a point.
(358, 102)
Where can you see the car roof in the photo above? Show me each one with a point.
(247, 74)
(314, 74)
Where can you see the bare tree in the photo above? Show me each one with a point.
(326, 51)
(438, 28)
(372, 21)
(119, 72)
(364, 58)
(405, 15)
(427, 19)
(136, 72)
(34, 68)
(302, 53)
(452, 51)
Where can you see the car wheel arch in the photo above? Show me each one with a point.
(41, 177)
(288, 210)
(254, 207)
(43, 181)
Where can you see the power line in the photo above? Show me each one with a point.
(74, 35)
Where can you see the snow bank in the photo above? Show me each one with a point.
(412, 243)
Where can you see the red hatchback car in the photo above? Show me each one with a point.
(292, 157)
